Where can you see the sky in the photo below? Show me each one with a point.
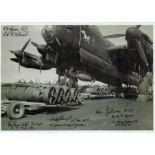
(9, 69)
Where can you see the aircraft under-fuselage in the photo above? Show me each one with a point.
(82, 52)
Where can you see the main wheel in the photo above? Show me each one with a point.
(15, 110)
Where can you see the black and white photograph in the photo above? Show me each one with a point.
(76, 77)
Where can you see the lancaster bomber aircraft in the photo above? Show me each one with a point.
(82, 52)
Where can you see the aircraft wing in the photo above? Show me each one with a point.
(31, 56)
(121, 53)
(117, 48)
(123, 58)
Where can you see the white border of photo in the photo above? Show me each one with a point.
(77, 12)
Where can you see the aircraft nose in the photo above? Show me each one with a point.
(48, 32)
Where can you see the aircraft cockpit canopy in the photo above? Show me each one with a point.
(48, 33)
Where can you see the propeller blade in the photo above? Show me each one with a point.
(141, 52)
(19, 66)
(40, 63)
(147, 38)
(40, 69)
(118, 35)
(22, 50)
(34, 44)
(139, 70)
(13, 52)
(114, 36)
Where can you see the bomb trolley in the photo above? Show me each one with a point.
(22, 98)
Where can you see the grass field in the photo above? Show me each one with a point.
(99, 114)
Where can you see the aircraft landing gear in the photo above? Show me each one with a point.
(130, 93)
(70, 79)
(127, 92)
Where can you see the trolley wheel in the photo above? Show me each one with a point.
(15, 110)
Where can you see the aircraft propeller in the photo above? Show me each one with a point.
(142, 53)
(20, 54)
(120, 35)
(114, 36)
(42, 49)
(134, 37)
(35, 44)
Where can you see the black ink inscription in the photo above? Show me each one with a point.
(15, 31)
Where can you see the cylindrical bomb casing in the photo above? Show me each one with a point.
(4, 92)
(28, 93)
(102, 91)
(56, 95)
(97, 91)
(74, 93)
(53, 92)
(60, 96)
(41, 93)
(67, 95)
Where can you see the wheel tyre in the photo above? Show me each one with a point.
(15, 110)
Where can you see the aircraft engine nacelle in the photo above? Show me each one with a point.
(85, 77)
(42, 49)
(23, 61)
(133, 33)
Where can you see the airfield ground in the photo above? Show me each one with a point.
(97, 114)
